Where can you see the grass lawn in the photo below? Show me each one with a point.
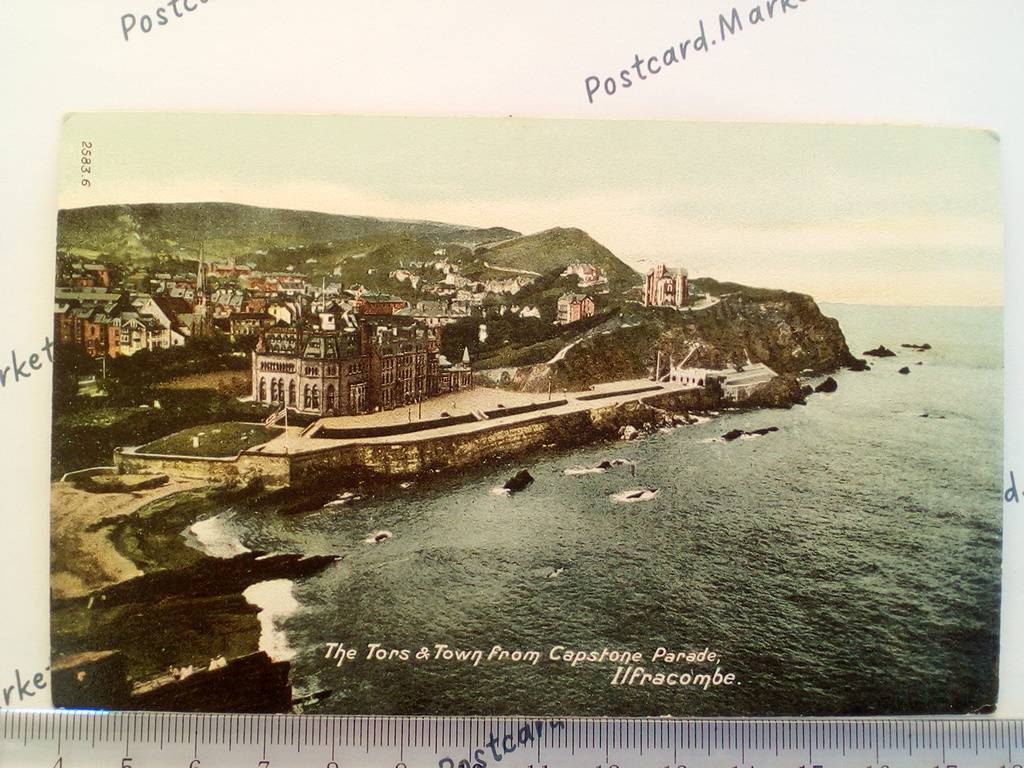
(215, 440)
(233, 383)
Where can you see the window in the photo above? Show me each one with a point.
(263, 390)
(329, 397)
(291, 393)
(280, 390)
(357, 398)
(307, 401)
(316, 396)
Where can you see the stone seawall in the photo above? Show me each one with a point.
(376, 461)
(273, 469)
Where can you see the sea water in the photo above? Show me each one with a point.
(847, 563)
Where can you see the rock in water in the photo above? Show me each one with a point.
(918, 347)
(781, 392)
(904, 370)
(828, 385)
(880, 351)
(736, 434)
(518, 481)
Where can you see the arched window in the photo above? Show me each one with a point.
(316, 396)
(329, 396)
(263, 390)
(280, 390)
(291, 393)
(307, 401)
(273, 391)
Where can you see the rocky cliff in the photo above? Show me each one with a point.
(787, 331)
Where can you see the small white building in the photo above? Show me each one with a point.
(737, 383)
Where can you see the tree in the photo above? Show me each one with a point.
(69, 363)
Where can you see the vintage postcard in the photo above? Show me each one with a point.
(492, 416)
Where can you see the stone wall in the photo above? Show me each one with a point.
(379, 461)
(273, 469)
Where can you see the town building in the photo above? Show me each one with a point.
(573, 307)
(244, 324)
(586, 273)
(378, 365)
(376, 304)
(230, 269)
(434, 314)
(312, 371)
(285, 312)
(105, 323)
(86, 276)
(665, 287)
(452, 378)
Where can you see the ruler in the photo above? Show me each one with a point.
(64, 739)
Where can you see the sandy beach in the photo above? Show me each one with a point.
(83, 559)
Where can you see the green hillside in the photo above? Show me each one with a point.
(271, 237)
(552, 249)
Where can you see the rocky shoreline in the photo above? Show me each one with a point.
(174, 631)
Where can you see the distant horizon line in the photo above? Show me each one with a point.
(912, 306)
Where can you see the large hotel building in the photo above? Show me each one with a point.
(345, 372)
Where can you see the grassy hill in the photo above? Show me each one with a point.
(271, 237)
(552, 249)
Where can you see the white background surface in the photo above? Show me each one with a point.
(903, 61)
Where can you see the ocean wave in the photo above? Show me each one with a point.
(343, 499)
(276, 602)
(583, 471)
(215, 539)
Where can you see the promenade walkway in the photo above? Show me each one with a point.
(476, 400)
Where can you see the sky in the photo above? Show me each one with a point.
(859, 214)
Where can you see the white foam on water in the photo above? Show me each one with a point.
(276, 602)
(342, 499)
(215, 539)
(378, 537)
(634, 495)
